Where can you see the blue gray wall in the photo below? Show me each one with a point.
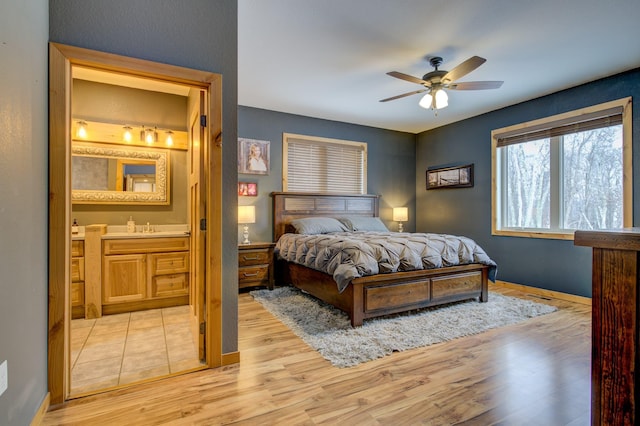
(24, 205)
(391, 159)
(199, 34)
(548, 264)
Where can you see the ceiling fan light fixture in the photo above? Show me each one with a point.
(438, 100)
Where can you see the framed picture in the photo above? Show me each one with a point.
(247, 189)
(253, 156)
(450, 177)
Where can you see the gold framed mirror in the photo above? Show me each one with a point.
(117, 174)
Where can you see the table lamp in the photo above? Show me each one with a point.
(246, 215)
(400, 214)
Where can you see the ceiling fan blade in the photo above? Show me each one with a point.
(475, 85)
(463, 69)
(408, 77)
(403, 95)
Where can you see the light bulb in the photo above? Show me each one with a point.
(169, 139)
(82, 130)
(127, 134)
(149, 136)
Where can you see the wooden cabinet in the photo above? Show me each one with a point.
(615, 354)
(125, 278)
(255, 265)
(144, 273)
(77, 279)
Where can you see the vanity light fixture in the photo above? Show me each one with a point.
(400, 214)
(246, 215)
(169, 139)
(81, 132)
(126, 135)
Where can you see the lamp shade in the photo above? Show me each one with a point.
(400, 214)
(246, 214)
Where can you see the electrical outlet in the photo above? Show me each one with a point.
(4, 381)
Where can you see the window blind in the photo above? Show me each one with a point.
(322, 165)
(595, 120)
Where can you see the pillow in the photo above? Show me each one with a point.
(317, 225)
(364, 223)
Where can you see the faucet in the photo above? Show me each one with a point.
(147, 228)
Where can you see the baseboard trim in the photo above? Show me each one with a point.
(230, 358)
(42, 410)
(544, 293)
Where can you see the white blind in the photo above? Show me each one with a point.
(324, 165)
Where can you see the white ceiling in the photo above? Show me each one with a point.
(328, 58)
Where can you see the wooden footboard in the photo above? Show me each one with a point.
(384, 294)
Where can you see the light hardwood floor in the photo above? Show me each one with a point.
(532, 373)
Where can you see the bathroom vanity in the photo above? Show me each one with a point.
(128, 272)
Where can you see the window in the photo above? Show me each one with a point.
(563, 173)
(312, 164)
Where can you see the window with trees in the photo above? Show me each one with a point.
(563, 173)
(314, 164)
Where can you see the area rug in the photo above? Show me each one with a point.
(328, 330)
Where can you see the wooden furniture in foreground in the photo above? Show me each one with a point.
(377, 295)
(615, 358)
(255, 265)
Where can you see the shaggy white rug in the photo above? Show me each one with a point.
(328, 330)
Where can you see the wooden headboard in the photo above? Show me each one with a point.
(294, 205)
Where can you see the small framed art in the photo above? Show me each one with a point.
(450, 177)
(247, 189)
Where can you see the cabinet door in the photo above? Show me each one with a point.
(125, 278)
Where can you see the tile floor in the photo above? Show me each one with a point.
(124, 348)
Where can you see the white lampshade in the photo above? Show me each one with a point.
(425, 102)
(442, 99)
(400, 214)
(246, 214)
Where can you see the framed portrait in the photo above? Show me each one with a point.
(450, 177)
(253, 156)
(247, 189)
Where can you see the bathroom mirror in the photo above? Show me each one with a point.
(116, 174)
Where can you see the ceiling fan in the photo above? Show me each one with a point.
(436, 81)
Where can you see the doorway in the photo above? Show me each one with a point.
(204, 294)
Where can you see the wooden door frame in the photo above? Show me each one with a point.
(61, 59)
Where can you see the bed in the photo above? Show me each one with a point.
(370, 296)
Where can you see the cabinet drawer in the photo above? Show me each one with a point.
(77, 294)
(443, 287)
(253, 257)
(77, 269)
(253, 273)
(145, 245)
(170, 285)
(169, 263)
(77, 248)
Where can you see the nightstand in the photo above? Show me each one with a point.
(255, 265)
